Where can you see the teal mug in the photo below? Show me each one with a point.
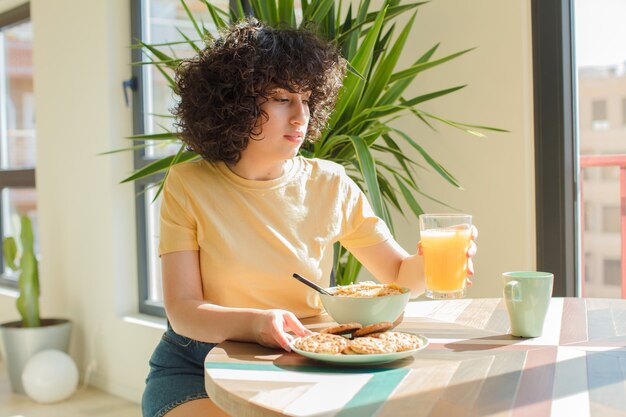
(527, 296)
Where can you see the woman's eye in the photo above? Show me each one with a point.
(281, 99)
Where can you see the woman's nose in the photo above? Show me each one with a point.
(300, 112)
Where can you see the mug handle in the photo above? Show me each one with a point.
(513, 291)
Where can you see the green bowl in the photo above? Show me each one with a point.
(365, 310)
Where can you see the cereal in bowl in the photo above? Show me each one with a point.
(368, 289)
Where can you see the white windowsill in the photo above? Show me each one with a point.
(146, 320)
(9, 292)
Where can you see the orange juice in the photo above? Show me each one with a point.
(445, 260)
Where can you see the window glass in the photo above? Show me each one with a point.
(599, 31)
(155, 292)
(162, 21)
(18, 106)
(17, 202)
(17, 132)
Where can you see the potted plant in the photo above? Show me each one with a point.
(23, 338)
(360, 134)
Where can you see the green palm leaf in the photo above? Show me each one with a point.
(215, 12)
(368, 169)
(436, 165)
(199, 31)
(408, 197)
(382, 75)
(162, 164)
(161, 57)
(286, 12)
(154, 136)
(353, 86)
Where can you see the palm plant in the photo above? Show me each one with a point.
(359, 134)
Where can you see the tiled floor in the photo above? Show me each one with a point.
(85, 402)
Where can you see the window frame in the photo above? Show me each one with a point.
(139, 160)
(556, 144)
(138, 10)
(13, 178)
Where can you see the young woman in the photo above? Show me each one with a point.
(237, 224)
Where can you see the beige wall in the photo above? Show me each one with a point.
(88, 266)
(497, 172)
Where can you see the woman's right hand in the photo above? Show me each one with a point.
(270, 328)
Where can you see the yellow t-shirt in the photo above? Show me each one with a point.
(253, 235)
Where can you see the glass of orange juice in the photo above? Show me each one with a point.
(445, 240)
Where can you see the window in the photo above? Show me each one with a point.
(17, 127)
(594, 23)
(599, 119)
(156, 21)
(612, 272)
(610, 173)
(611, 219)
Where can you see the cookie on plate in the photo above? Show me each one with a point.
(349, 351)
(322, 343)
(383, 326)
(403, 341)
(346, 328)
(369, 345)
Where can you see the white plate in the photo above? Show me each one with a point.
(362, 359)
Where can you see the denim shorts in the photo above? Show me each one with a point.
(176, 374)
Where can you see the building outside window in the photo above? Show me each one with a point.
(602, 131)
(17, 128)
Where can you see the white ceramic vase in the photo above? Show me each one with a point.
(21, 343)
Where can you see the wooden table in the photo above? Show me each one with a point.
(472, 367)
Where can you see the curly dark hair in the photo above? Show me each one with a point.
(222, 88)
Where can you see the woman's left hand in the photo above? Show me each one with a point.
(471, 251)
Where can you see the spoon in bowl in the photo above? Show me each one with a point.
(311, 284)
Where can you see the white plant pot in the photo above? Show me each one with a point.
(21, 343)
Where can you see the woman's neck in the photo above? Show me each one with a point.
(254, 170)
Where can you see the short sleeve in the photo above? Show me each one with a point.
(178, 228)
(361, 227)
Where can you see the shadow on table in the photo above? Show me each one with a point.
(483, 343)
(593, 381)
